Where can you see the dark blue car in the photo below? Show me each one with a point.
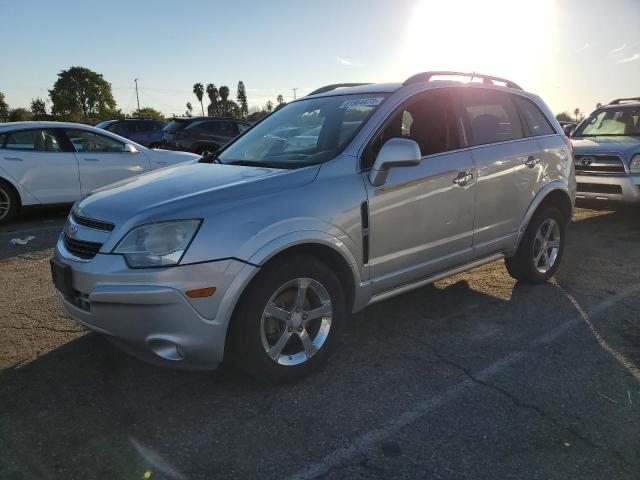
(146, 132)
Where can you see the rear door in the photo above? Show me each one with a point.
(103, 160)
(41, 161)
(507, 162)
(421, 219)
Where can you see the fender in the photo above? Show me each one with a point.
(537, 200)
(306, 237)
(26, 197)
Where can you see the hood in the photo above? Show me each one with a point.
(185, 189)
(628, 146)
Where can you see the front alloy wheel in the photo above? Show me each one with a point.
(546, 246)
(288, 320)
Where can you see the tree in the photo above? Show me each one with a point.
(598, 105)
(564, 117)
(4, 108)
(80, 93)
(224, 98)
(242, 99)
(148, 112)
(189, 109)
(198, 90)
(576, 112)
(280, 102)
(38, 109)
(212, 93)
(19, 115)
(269, 106)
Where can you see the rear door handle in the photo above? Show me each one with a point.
(13, 159)
(463, 178)
(91, 160)
(531, 161)
(161, 163)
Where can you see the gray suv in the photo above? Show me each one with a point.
(607, 151)
(259, 252)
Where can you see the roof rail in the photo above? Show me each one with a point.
(618, 101)
(333, 86)
(426, 76)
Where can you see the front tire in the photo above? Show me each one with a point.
(9, 203)
(540, 251)
(288, 321)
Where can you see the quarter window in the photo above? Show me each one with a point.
(535, 119)
(85, 141)
(34, 140)
(491, 116)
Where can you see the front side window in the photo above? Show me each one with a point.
(305, 132)
(429, 119)
(491, 116)
(85, 141)
(535, 119)
(34, 140)
(611, 122)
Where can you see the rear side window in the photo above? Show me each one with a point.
(535, 119)
(34, 140)
(491, 116)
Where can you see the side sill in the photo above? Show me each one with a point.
(411, 286)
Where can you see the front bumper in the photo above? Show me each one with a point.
(618, 188)
(146, 311)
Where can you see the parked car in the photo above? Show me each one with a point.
(568, 127)
(259, 254)
(43, 163)
(607, 148)
(144, 131)
(201, 134)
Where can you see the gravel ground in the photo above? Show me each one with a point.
(473, 377)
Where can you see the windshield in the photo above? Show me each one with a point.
(306, 132)
(175, 126)
(610, 122)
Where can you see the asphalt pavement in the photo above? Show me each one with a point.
(474, 377)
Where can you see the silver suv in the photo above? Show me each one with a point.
(341, 199)
(607, 151)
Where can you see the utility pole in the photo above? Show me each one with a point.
(294, 92)
(137, 97)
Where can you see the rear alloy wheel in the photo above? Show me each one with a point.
(8, 203)
(288, 321)
(539, 253)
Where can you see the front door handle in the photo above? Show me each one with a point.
(531, 161)
(13, 159)
(463, 178)
(91, 160)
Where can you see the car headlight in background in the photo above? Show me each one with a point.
(634, 166)
(159, 244)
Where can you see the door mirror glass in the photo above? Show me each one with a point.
(396, 152)
(130, 148)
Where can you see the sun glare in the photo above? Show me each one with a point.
(509, 38)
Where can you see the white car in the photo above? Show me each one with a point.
(47, 163)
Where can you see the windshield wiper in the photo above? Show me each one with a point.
(255, 163)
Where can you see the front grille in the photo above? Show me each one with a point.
(599, 188)
(91, 223)
(599, 164)
(80, 248)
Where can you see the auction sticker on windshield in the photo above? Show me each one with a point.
(362, 102)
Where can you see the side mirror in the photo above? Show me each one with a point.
(569, 128)
(396, 152)
(130, 148)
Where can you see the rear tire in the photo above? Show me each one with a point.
(300, 330)
(540, 251)
(9, 202)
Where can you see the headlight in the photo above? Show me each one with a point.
(159, 244)
(634, 166)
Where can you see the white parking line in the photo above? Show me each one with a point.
(366, 440)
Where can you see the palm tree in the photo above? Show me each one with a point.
(198, 89)
(224, 97)
(189, 109)
(576, 112)
(212, 93)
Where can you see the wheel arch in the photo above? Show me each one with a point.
(553, 194)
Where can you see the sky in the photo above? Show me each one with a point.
(574, 53)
